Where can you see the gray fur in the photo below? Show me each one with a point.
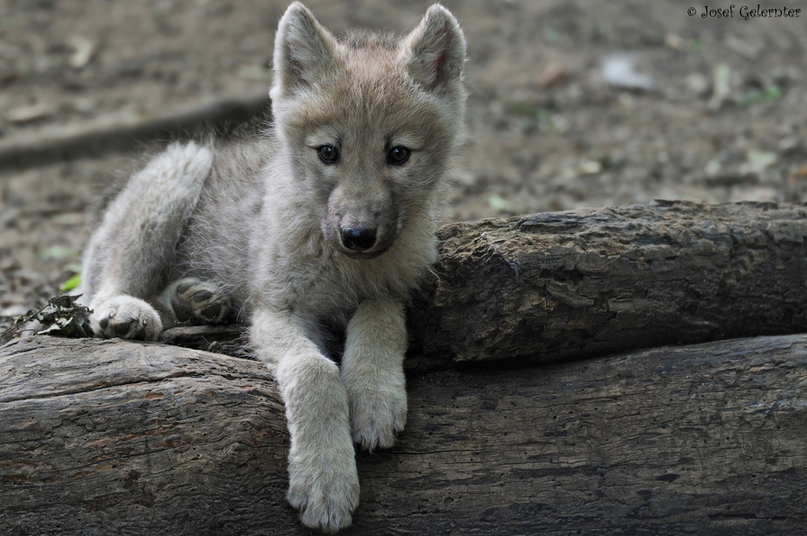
(256, 227)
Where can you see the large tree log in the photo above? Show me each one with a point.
(114, 437)
(589, 282)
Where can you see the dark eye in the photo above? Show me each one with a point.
(398, 155)
(328, 154)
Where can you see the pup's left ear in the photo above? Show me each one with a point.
(304, 51)
(435, 51)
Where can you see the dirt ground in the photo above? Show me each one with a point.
(573, 104)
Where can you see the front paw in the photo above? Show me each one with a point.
(377, 412)
(324, 488)
(126, 317)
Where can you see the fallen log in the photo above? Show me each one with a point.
(114, 134)
(116, 437)
(584, 283)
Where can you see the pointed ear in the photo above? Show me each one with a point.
(435, 51)
(304, 51)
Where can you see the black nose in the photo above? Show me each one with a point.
(358, 238)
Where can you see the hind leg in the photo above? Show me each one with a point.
(192, 300)
(130, 255)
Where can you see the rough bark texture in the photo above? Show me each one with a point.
(585, 283)
(110, 437)
(114, 437)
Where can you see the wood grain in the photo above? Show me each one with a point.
(101, 437)
(567, 285)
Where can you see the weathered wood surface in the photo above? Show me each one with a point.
(590, 282)
(114, 437)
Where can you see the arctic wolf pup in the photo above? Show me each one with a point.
(323, 224)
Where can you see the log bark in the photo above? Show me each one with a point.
(578, 284)
(116, 437)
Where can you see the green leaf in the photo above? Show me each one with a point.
(71, 283)
(696, 45)
(58, 252)
(525, 109)
(551, 35)
(759, 161)
(771, 93)
(499, 204)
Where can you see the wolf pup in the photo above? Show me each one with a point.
(324, 223)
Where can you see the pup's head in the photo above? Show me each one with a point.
(368, 122)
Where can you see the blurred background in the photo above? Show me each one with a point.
(572, 104)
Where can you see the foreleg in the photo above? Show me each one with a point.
(323, 481)
(372, 371)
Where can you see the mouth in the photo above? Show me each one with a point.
(361, 255)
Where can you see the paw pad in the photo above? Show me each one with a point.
(200, 301)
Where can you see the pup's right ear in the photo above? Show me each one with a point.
(304, 51)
